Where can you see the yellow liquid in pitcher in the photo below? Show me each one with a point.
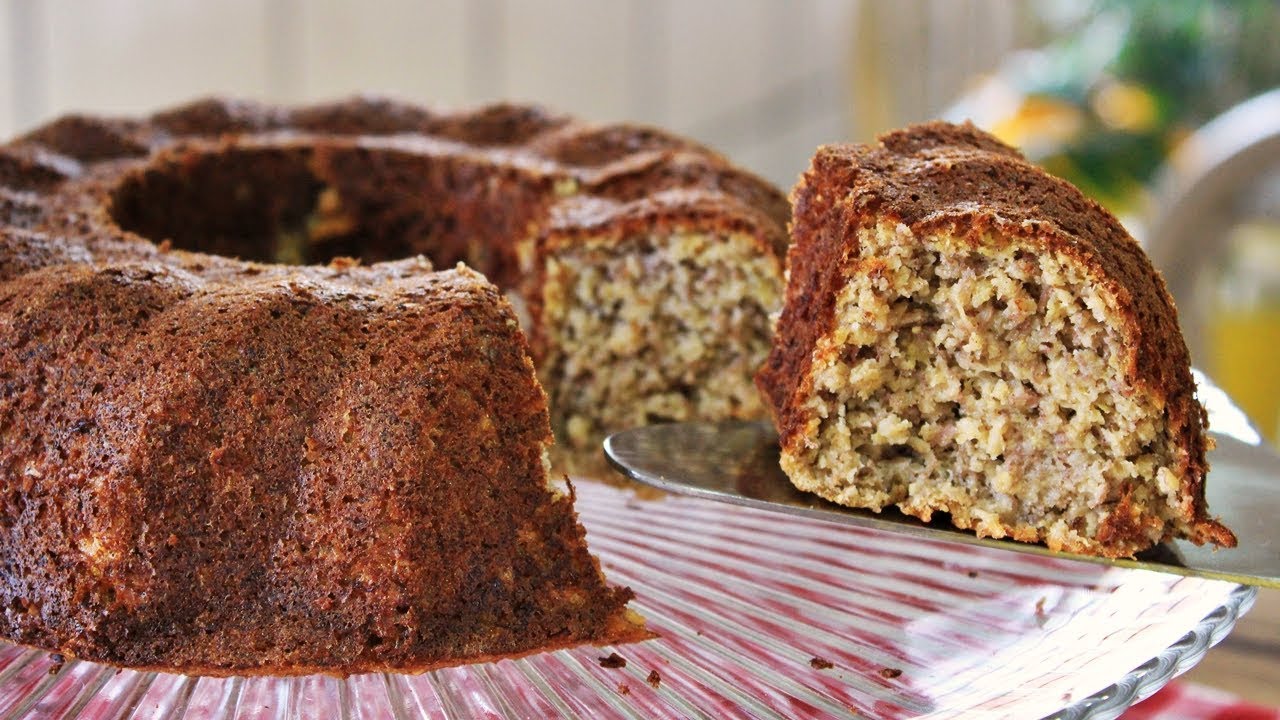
(1246, 363)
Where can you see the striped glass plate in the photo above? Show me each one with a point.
(760, 615)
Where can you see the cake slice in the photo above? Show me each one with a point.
(965, 334)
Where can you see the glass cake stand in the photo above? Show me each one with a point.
(759, 615)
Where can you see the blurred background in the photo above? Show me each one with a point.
(1166, 112)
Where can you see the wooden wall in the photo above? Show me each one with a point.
(763, 80)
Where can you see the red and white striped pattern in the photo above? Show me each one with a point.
(743, 601)
(1187, 701)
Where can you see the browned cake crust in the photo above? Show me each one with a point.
(335, 469)
(217, 465)
(943, 178)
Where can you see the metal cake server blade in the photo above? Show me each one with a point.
(737, 462)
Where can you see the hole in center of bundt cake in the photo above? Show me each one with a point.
(265, 204)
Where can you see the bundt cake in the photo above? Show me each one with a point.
(644, 266)
(247, 428)
(964, 334)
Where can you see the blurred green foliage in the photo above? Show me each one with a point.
(1141, 74)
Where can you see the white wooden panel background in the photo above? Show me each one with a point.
(763, 80)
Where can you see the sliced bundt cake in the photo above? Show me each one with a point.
(245, 427)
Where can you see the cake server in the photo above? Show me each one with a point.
(737, 462)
